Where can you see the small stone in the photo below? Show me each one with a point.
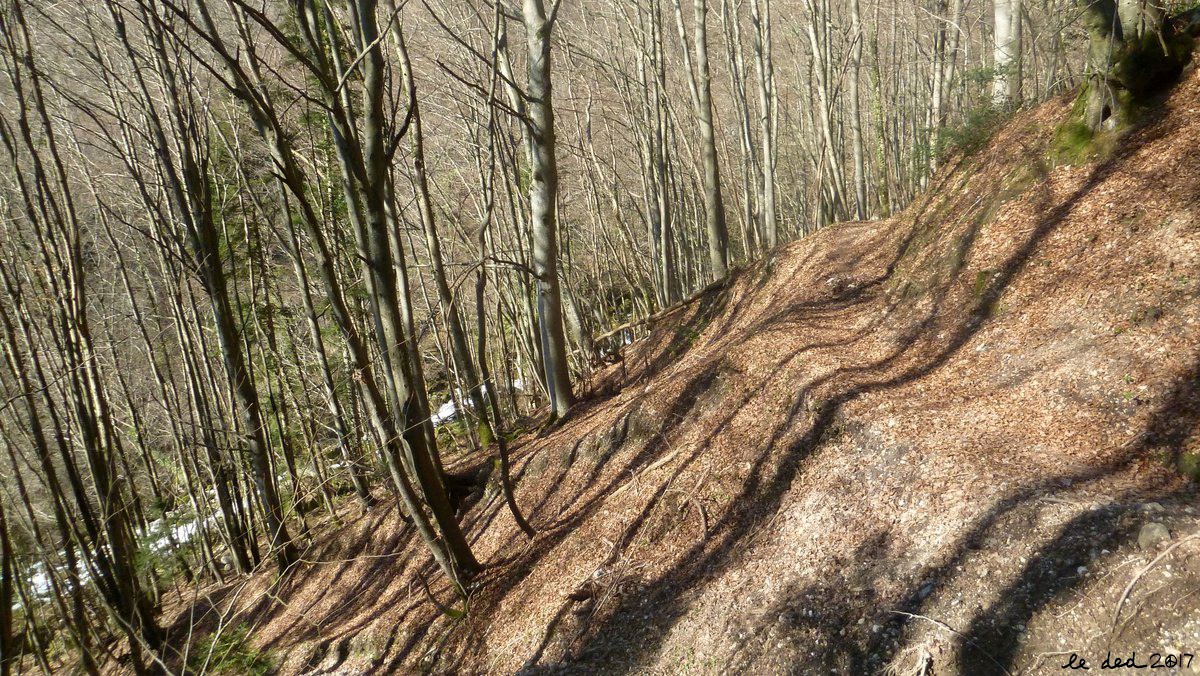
(1152, 507)
(1152, 535)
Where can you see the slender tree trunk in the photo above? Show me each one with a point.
(750, 174)
(700, 87)
(714, 204)
(763, 48)
(543, 196)
(384, 255)
(354, 465)
(856, 135)
(487, 183)
(7, 570)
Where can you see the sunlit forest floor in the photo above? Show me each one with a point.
(951, 442)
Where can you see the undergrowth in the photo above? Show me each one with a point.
(978, 126)
(229, 652)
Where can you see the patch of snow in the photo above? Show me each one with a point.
(445, 412)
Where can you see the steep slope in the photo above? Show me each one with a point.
(930, 442)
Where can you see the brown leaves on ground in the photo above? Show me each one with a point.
(928, 442)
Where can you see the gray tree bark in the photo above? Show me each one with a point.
(543, 196)
(1006, 54)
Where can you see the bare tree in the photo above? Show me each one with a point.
(543, 197)
(1006, 59)
(700, 86)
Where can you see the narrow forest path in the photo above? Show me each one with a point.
(933, 441)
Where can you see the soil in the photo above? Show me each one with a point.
(921, 445)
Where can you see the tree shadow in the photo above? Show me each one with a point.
(995, 632)
(583, 634)
(926, 346)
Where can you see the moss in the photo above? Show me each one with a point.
(686, 336)
(957, 255)
(1189, 465)
(908, 290)
(486, 437)
(1075, 143)
(981, 281)
(1143, 68)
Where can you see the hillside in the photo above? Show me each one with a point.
(930, 443)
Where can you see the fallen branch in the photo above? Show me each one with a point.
(1140, 573)
(655, 465)
(661, 314)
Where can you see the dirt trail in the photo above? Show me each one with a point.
(925, 443)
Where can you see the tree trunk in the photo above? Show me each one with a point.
(7, 569)
(1006, 59)
(1104, 35)
(1140, 17)
(700, 86)
(856, 135)
(543, 196)
(766, 122)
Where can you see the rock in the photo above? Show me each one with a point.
(1152, 534)
(925, 590)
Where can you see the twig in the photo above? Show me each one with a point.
(1136, 609)
(957, 633)
(655, 465)
(443, 609)
(1140, 573)
(1040, 657)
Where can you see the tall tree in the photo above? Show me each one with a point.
(768, 112)
(700, 85)
(433, 243)
(1006, 53)
(543, 201)
(8, 568)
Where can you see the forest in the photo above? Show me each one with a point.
(286, 286)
